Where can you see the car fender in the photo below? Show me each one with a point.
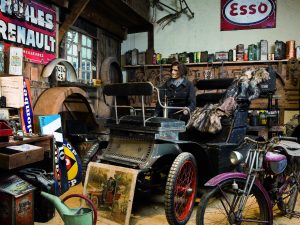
(160, 150)
(215, 181)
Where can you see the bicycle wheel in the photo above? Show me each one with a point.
(219, 206)
(289, 196)
(181, 189)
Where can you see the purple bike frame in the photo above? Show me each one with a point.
(213, 182)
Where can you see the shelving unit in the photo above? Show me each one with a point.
(211, 63)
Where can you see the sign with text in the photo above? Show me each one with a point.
(35, 33)
(247, 14)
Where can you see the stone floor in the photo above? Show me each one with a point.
(151, 212)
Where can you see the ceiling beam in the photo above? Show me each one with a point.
(101, 18)
(61, 3)
(76, 10)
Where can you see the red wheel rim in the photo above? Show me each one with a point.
(185, 189)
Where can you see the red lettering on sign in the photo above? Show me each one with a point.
(233, 8)
(243, 10)
(236, 10)
(252, 9)
(262, 8)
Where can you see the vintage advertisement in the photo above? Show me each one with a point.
(12, 88)
(35, 32)
(15, 61)
(111, 188)
(247, 14)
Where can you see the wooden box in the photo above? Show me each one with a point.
(16, 202)
(16, 156)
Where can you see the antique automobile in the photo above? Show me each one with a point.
(168, 156)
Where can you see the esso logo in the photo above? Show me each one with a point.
(245, 12)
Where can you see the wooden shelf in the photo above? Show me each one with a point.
(210, 64)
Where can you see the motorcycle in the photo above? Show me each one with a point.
(270, 176)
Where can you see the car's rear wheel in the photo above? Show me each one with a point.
(181, 188)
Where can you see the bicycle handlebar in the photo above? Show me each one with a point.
(273, 139)
(295, 139)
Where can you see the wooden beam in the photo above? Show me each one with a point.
(76, 10)
(99, 18)
(150, 39)
(61, 3)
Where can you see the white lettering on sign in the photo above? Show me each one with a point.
(246, 12)
(33, 15)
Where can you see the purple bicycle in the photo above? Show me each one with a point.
(271, 176)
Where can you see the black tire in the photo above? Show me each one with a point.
(89, 154)
(181, 188)
(214, 209)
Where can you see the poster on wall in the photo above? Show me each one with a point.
(15, 61)
(35, 32)
(247, 14)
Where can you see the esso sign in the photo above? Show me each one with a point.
(246, 12)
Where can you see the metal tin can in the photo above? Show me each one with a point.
(230, 55)
(154, 58)
(290, 49)
(263, 50)
(234, 55)
(298, 52)
(158, 58)
(252, 51)
(240, 48)
(195, 57)
(280, 50)
(198, 57)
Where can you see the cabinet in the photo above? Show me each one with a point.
(10, 160)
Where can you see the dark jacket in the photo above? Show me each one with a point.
(181, 96)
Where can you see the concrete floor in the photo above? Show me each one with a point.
(151, 212)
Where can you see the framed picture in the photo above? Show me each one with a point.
(111, 188)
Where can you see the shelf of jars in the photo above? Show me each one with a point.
(211, 63)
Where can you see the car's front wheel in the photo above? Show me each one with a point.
(181, 188)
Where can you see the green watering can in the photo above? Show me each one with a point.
(75, 216)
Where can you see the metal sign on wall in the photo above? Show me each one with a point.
(35, 33)
(247, 14)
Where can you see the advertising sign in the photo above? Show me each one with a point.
(247, 14)
(35, 33)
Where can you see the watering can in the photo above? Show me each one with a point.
(74, 216)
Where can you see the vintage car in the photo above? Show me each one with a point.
(169, 157)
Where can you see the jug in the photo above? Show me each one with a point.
(74, 216)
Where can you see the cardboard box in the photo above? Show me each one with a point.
(15, 156)
(16, 202)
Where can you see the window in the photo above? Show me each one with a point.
(79, 54)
